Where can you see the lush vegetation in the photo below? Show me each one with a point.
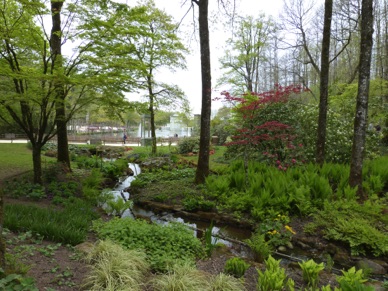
(264, 195)
(163, 245)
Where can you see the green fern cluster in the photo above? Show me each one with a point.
(362, 226)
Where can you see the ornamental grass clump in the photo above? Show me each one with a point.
(223, 282)
(114, 268)
(181, 277)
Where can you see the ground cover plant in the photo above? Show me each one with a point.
(163, 245)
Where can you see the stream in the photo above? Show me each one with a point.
(232, 237)
(227, 235)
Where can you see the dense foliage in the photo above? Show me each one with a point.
(279, 126)
(163, 245)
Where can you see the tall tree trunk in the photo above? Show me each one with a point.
(204, 144)
(60, 119)
(324, 83)
(360, 121)
(2, 241)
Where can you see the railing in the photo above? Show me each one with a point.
(13, 136)
(94, 139)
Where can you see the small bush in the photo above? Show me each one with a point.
(236, 267)
(188, 145)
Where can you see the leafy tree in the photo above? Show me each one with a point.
(246, 58)
(27, 82)
(39, 83)
(156, 48)
(140, 41)
(221, 125)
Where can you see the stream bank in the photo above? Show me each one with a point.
(232, 233)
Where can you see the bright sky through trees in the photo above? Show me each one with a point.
(190, 80)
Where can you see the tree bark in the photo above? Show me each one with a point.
(204, 144)
(324, 83)
(152, 114)
(360, 121)
(37, 162)
(2, 241)
(60, 119)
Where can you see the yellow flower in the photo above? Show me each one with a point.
(289, 228)
(272, 232)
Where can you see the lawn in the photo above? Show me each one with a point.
(15, 158)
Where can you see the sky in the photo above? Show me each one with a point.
(190, 80)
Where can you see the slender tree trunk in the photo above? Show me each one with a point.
(204, 144)
(360, 121)
(60, 119)
(37, 162)
(2, 241)
(324, 83)
(152, 122)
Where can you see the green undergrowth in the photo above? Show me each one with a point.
(257, 190)
(164, 245)
(363, 227)
(69, 225)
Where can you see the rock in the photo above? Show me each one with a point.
(129, 172)
(282, 249)
(372, 266)
(302, 245)
(290, 246)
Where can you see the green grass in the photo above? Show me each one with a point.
(14, 159)
(214, 159)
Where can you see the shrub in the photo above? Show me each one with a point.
(188, 145)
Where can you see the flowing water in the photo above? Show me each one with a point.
(228, 235)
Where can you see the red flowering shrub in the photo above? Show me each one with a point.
(266, 129)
